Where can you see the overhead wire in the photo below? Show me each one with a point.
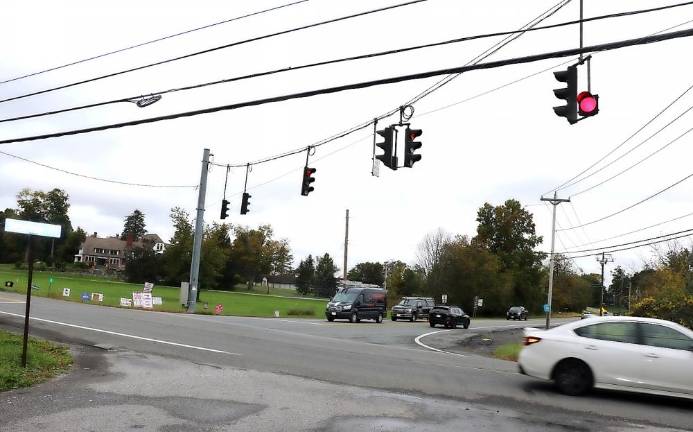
(689, 230)
(625, 170)
(630, 206)
(365, 84)
(572, 181)
(101, 179)
(637, 230)
(217, 48)
(149, 42)
(633, 247)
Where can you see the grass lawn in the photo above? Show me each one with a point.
(508, 351)
(44, 360)
(234, 303)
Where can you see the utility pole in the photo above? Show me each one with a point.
(346, 245)
(554, 202)
(630, 283)
(199, 228)
(605, 258)
(385, 280)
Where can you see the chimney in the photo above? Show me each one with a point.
(129, 240)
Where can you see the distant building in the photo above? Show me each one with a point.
(111, 252)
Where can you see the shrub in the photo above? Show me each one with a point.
(40, 266)
(678, 310)
(300, 312)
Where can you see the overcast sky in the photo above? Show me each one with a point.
(507, 144)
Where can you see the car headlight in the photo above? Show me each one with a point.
(346, 307)
(408, 310)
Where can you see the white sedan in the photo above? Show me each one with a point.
(616, 352)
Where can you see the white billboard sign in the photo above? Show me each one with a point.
(32, 228)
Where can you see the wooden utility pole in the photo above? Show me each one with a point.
(346, 246)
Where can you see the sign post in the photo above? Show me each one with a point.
(30, 229)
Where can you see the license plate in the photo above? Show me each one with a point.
(399, 315)
(437, 316)
(334, 313)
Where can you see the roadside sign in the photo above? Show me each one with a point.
(218, 309)
(50, 280)
(148, 287)
(85, 297)
(9, 284)
(147, 302)
(444, 298)
(125, 302)
(32, 228)
(97, 297)
(66, 292)
(547, 309)
(157, 301)
(480, 302)
(137, 299)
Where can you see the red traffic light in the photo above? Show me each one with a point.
(588, 103)
(310, 171)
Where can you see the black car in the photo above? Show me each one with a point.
(449, 316)
(517, 313)
(412, 308)
(355, 304)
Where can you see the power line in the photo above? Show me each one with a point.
(637, 230)
(206, 51)
(304, 66)
(98, 56)
(571, 181)
(630, 206)
(631, 243)
(541, 17)
(636, 246)
(366, 84)
(634, 165)
(105, 180)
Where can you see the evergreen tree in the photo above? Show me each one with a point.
(134, 226)
(325, 281)
(305, 273)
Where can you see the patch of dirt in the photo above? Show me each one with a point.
(486, 343)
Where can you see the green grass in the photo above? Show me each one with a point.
(44, 360)
(508, 351)
(235, 303)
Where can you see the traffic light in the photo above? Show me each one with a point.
(245, 203)
(224, 209)
(588, 104)
(410, 146)
(308, 178)
(388, 158)
(568, 93)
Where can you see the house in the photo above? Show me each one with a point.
(111, 252)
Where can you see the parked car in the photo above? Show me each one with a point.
(356, 304)
(621, 353)
(412, 308)
(449, 316)
(586, 314)
(517, 313)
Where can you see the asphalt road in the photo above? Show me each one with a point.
(381, 359)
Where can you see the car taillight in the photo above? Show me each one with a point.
(530, 340)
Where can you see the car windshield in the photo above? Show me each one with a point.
(407, 302)
(348, 296)
(515, 309)
(440, 309)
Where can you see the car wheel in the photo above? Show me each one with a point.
(379, 319)
(432, 324)
(413, 317)
(330, 319)
(573, 377)
(507, 318)
(394, 318)
(466, 325)
(353, 318)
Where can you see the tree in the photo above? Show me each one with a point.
(412, 282)
(465, 271)
(368, 272)
(69, 248)
(178, 254)
(508, 231)
(305, 273)
(325, 281)
(143, 265)
(252, 254)
(430, 249)
(134, 226)
(282, 258)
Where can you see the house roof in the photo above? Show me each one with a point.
(152, 238)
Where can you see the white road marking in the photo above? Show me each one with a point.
(124, 335)
(418, 341)
(11, 302)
